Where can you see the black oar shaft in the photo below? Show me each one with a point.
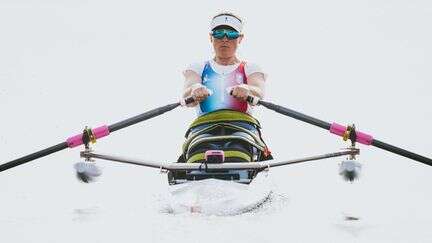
(296, 115)
(142, 117)
(34, 156)
(327, 126)
(114, 127)
(402, 152)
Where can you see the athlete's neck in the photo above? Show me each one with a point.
(226, 60)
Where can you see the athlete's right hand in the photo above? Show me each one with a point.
(199, 92)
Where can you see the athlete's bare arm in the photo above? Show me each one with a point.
(191, 78)
(256, 83)
(255, 86)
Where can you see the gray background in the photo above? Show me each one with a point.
(67, 64)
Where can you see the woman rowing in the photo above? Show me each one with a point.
(220, 87)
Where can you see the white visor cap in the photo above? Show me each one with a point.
(227, 20)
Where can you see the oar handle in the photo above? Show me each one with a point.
(251, 99)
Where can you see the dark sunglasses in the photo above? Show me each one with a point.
(230, 34)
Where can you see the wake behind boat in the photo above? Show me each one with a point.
(218, 197)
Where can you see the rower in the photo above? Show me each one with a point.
(220, 87)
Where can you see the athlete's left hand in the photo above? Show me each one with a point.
(241, 91)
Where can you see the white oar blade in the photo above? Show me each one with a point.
(87, 171)
(350, 170)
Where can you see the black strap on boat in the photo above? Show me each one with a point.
(205, 164)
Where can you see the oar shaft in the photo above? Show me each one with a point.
(142, 117)
(34, 156)
(103, 131)
(402, 152)
(98, 132)
(340, 130)
(296, 115)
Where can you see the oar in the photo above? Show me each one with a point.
(94, 134)
(342, 131)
